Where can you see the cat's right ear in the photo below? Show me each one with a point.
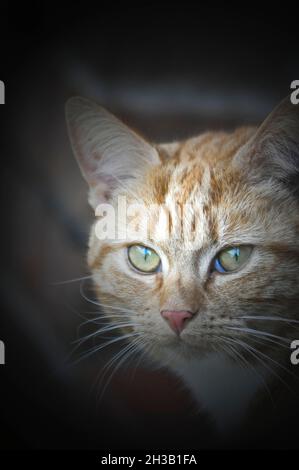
(109, 154)
(273, 151)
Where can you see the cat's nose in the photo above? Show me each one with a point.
(177, 319)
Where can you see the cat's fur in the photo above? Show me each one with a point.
(242, 189)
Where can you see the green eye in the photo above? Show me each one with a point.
(144, 259)
(232, 259)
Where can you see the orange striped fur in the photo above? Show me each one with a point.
(239, 188)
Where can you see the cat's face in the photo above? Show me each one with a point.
(187, 293)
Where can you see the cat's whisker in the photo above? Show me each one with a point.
(76, 312)
(250, 366)
(231, 352)
(122, 356)
(77, 346)
(135, 342)
(103, 319)
(110, 314)
(270, 318)
(261, 335)
(105, 329)
(264, 340)
(69, 281)
(82, 293)
(128, 354)
(255, 353)
(98, 377)
(115, 357)
(235, 354)
(97, 314)
(274, 362)
(122, 309)
(99, 304)
(112, 361)
(99, 323)
(146, 347)
(258, 332)
(102, 346)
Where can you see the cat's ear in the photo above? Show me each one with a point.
(273, 151)
(108, 152)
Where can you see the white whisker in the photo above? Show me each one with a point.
(254, 352)
(125, 353)
(257, 332)
(251, 366)
(102, 346)
(105, 329)
(264, 317)
(69, 281)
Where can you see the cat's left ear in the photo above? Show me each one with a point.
(273, 151)
(108, 152)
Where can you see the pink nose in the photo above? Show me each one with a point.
(176, 319)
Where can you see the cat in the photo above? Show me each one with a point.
(220, 308)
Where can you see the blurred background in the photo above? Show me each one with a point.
(170, 72)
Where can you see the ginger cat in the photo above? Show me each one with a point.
(220, 307)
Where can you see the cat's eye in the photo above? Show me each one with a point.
(144, 259)
(232, 259)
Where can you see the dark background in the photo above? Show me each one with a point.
(169, 70)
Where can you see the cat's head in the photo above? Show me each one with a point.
(236, 267)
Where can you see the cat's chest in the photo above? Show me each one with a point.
(222, 388)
